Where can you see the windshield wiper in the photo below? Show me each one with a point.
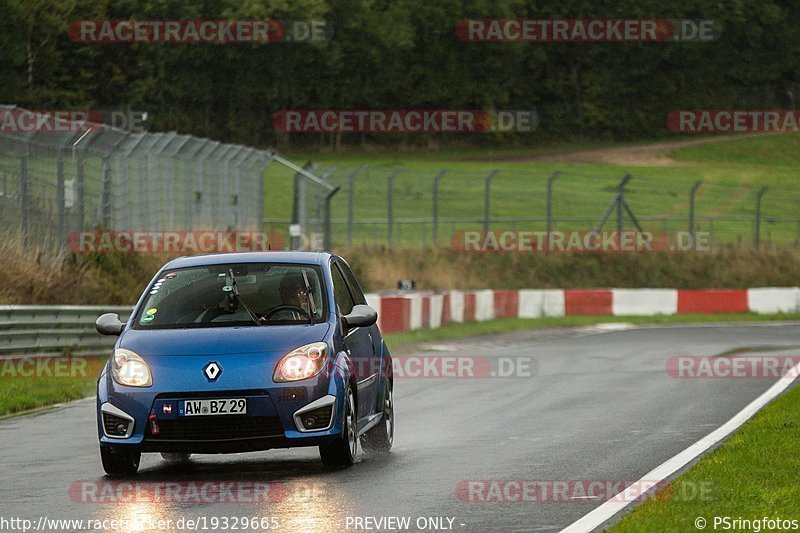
(235, 290)
(311, 305)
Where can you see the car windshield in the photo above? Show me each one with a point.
(257, 294)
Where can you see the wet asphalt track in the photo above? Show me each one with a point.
(600, 407)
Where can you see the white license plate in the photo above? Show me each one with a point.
(236, 406)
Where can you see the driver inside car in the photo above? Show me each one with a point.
(292, 293)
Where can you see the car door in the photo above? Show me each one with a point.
(358, 342)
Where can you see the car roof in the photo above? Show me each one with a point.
(313, 258)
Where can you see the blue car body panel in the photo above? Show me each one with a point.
(247, 356)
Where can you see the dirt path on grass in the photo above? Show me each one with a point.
(645, 155)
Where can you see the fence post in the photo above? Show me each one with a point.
(261, 168)
(549, 222)
(389, 204)
(60, 193)
(326, 237)
(691, 209)
(757, 237)
(78, 153)
(298, 204)
(620, 222)
(23, 195)
(486, 199)
(105, 195)
(351, 182)
(435, 222)
(620, 204)
(436, 180)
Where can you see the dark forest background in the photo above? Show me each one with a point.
(402, 54)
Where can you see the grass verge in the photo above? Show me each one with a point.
(442, 269)
(751, 476)
(27, 386)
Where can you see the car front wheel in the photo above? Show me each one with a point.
(119, 462)
(343, 452)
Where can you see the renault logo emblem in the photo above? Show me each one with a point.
(212, 371)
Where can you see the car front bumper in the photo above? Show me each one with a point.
(274, 418)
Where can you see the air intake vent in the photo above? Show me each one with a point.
(116, 426)
(215, 428)
(319, 418)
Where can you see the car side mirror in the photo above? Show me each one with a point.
(360, 316)
(109, 324)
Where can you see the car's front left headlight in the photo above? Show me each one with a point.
(302, 363)
(130, 370)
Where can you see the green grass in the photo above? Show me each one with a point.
(732, 171)
(751, 476)
(771, 150)
(19, 394)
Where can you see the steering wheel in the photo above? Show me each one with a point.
(286, 308)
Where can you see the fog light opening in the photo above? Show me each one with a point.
(316, 416)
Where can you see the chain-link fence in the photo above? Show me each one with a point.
(311, 208)
(60, 176)
(411, 207)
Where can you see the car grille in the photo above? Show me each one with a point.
(213, 428)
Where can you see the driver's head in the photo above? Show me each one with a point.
(292, 290)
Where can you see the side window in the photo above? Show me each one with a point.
(351, 281)
(340, 291)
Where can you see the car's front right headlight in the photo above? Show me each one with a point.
(130, 370)
(301, 363)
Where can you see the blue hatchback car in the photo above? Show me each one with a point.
(244, 352)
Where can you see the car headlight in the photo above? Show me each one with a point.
(129, 369)
(302, 363)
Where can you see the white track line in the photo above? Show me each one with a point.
(607, 510)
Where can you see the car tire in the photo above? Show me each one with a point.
(175, 458)
(379, 439)
(119, 462)
(343, 452)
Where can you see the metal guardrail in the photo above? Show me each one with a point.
(47, 331)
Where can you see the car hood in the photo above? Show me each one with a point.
(221, 340)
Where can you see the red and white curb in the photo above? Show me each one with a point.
(402, 312)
